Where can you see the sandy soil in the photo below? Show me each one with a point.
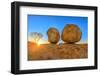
(52, 51)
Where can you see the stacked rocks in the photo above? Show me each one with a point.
(53, 35)
(70, 34)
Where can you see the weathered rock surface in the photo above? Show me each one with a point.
(53, 35)
(52, 51)
(71, 33)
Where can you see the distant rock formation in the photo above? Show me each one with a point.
(53, 35)
(71, 33)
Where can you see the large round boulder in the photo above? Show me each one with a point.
(71, 33)
(53, 35)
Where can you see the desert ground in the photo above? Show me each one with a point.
(55, 51)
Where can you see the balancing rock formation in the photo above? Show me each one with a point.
(53, 35)
(71, 33)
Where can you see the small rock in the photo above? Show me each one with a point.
(53, 35)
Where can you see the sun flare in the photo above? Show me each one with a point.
(42, 42)
(38, 43)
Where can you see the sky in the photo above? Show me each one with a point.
(41, 23)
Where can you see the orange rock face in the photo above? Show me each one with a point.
(53, 35)
(71, 33)
(53, 52)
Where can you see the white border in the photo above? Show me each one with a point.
(26, 65)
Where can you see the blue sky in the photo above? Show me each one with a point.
(41, 23)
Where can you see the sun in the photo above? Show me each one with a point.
(42, 42)
(38, 43)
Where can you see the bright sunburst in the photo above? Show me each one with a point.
(41, 41)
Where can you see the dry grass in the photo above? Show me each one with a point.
(52, 51)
